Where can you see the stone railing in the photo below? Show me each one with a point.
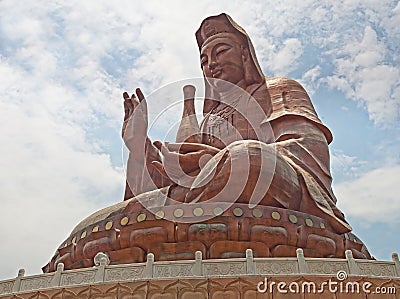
(238, 267)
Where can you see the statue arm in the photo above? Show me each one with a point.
(289, 98)
(298, 133)
(182, 158)
(141, 176)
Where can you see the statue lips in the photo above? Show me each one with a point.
(216, 73)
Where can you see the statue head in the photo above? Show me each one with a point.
(226, 53)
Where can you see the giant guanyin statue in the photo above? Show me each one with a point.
(253, 174)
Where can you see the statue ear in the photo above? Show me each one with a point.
(245, 54)
(249, 71)
(251, 75)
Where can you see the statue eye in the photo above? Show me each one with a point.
(203, 62)
(222, 50)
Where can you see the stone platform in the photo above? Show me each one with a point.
(215, 278)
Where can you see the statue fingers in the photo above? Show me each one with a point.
(125, 95)
(134, 101)
(158, 144)
(182, 148)
(162, 148)
(160, 168)
(174, 147)
(128, 107)
(139, 93)
(187, 147)
(142, 100)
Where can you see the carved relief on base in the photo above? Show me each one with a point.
(269, 231)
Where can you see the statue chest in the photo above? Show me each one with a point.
(231, 123)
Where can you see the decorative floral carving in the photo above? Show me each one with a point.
(36, 282)
(225, 268)
(6, 287)
(326, 267)
(173, 270)
(276, 267)
(120, 274)
(377, 269)
(82, 277)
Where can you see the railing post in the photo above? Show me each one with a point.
(395, 259)
(148, 271)
(17, 282)
(250, 268)
(57, 276)
(198, 264)
(352, 263)
(101, 260)
(301, 261)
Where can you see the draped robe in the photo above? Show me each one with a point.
(297, 144)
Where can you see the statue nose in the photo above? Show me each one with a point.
(212, 65)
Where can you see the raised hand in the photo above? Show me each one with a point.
(134, 134)
(134, 128)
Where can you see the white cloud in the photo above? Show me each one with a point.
(362, 61)
(345, 167)
(363, 75)
(51, 176)
(53, 173)
(373, 197)
(311, 79)
(286, 57)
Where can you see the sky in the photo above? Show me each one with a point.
(65, 64)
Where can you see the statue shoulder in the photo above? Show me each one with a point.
(282, 84)
(289, 98)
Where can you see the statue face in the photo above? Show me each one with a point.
(222, 58)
